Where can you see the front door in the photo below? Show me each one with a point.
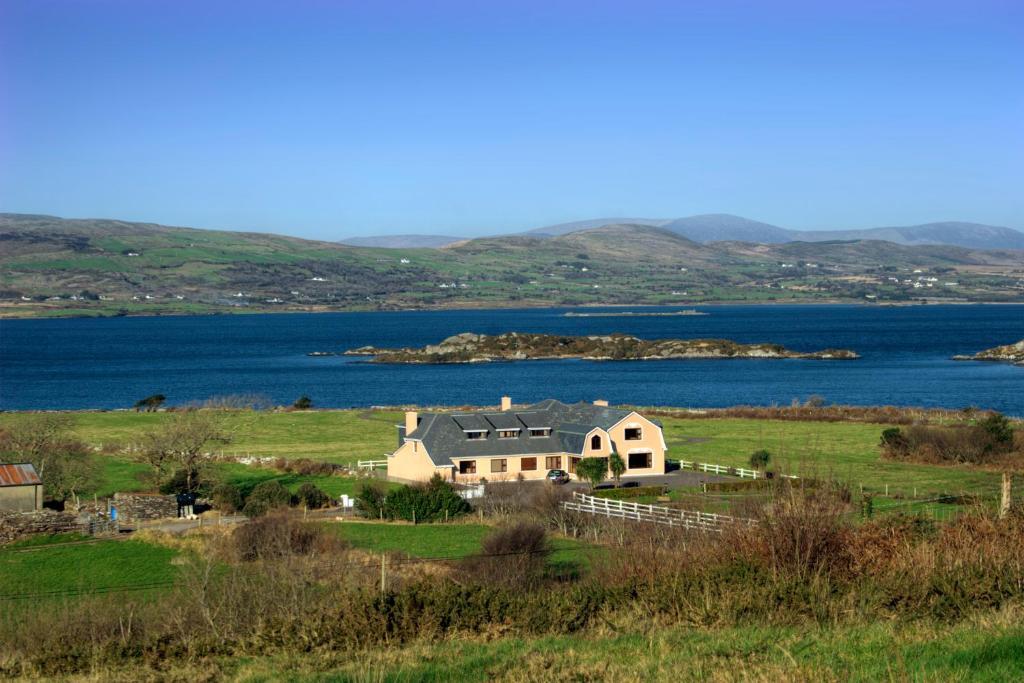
(572, 464)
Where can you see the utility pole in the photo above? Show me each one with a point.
(1004, 503)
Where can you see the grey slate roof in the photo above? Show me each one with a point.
(444, 434)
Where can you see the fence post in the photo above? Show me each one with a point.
(1004, 502)
(383, 572)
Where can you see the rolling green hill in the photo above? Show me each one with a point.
(54, 266)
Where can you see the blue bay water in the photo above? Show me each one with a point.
(110, 363)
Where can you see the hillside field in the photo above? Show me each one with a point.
(59, 267)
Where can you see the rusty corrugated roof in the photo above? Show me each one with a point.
(18, 474)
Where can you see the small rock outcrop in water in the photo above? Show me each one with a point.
(1011, 353)
(474, 348)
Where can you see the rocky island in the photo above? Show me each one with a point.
(1010, 353)
(475, 348)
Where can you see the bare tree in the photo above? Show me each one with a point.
(65, 464)
(182, 441)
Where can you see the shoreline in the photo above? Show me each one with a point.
(511, 306)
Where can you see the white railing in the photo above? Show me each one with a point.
(741, 472)
(372, 464)
(687, 519)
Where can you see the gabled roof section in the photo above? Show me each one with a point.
(471, 423)
(444, 434)
(536, 420)
(503, 421)
(18, 474)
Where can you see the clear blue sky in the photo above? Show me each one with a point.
(328, 119)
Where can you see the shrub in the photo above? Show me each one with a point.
(370, 499)
(801, 532)
(760, 459)
(303, 403)
(989, 439)
(592, 470)
(515, 555)
(999, 431)
(227, 497)
(893, 440)
(617, 466)
(637, 492)
(431, 502)
(266, 496)
(732, 486)
(312, 497)
(273, 536)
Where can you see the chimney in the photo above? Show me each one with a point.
(506, 403)
(412, 419)
(601, 402)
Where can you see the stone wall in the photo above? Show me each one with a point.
(136, 507)
(18, 525)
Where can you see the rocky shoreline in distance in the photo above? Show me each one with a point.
(469, 347)
(1010, 353)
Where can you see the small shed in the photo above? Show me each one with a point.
(21, 489)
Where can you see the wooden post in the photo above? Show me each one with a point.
(383, 572)
(1004, 503)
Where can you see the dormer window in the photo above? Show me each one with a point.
(476, 434)
(633, 434)
(595, 442)
(508, 433)
(543, 431)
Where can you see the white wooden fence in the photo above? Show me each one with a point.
(687, 519)
(371, 464)
(741, 472)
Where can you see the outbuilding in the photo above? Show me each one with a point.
(21, 489)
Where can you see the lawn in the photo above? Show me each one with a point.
(108, 566)
(445, 541)
(338, 436)
(847, 451)
(246, 477)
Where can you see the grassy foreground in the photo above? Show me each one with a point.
(991, 650)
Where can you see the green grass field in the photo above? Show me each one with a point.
(985, 652)
(246, 477)
(338, 436)
(445, 541)
(847, 451)
(50, 570)
(844, 450)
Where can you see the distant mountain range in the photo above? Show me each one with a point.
(721, 227)
(55, 266)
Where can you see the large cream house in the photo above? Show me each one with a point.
(526, 443)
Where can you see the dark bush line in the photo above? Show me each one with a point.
(746, 485)
(831, 413)
(637, 492)
(435, 501)
(989, 439)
